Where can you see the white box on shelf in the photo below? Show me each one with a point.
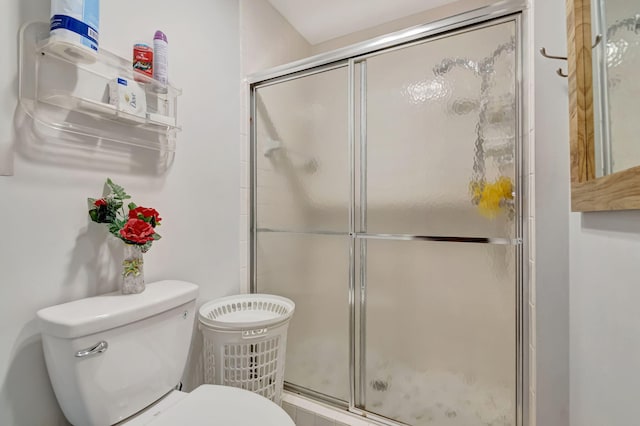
(128, 96)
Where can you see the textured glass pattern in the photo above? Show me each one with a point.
(313, 271)
(440, 333)
(302, 153)
(622, 20)
(435, 150)
(441, 127)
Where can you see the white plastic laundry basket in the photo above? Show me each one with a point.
(245, 342)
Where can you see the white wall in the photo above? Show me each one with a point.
(267, 38)
(550, 222)
(51, 253)
(605, 319)
(605, 348)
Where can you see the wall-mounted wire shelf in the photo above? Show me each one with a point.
(70, 100)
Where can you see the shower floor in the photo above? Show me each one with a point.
(418, 398)
(435, 397)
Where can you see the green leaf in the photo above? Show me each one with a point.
(132, 206)
(118, 191)
(156, 236)
(93, 214)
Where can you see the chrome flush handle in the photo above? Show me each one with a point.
(97, 349)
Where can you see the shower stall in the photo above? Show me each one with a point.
(387, 202)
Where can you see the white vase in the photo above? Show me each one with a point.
(132, 270)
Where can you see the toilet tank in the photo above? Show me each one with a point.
(140, 343)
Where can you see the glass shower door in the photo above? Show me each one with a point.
(301, 210)
(437, 230)
(386, 205)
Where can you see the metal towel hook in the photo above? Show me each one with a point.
(544, 53)
(597, 41)
(559, 71)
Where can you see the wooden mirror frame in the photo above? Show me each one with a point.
(616, 191)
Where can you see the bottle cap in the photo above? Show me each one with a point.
(159, 35)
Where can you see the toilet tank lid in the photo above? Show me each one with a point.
(95, 314)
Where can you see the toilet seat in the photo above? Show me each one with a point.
(210, 405)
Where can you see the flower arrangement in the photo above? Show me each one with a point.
(135, 227)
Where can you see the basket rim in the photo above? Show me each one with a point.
(240, 326)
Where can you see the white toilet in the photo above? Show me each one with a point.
(116, 359)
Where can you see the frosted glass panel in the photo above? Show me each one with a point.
(441, 124)
(313, 271)
(302, 153)
(440, 333)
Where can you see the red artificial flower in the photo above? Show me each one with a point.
(137, 231)
(100, 202)
(147, 213)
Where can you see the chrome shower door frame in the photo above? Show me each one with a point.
(354, 57)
